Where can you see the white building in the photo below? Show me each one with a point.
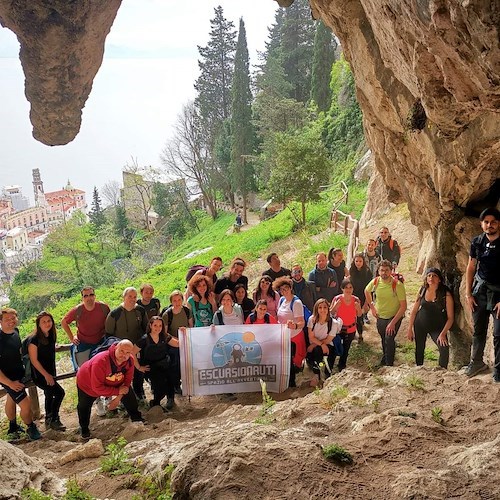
(14, 193)
(17, 239)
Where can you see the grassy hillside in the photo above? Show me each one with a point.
(252, 244)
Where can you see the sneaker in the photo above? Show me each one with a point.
(496, 377)
(85, 433)
(137, 418)
(16, 428)
(170, 403)
(102, 406)
(178, 390)
(57, 425)
(475, 368)
(33, 432)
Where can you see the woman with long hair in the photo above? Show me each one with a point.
(158, 362)
(347, 307)
(264, 291)
(360, 275)
(432, 314)
(322, 329)
(42, 354)
(202, 300)
(243, 300)
(291, 314)
(229, 313)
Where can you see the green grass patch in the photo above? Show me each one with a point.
(415, 383)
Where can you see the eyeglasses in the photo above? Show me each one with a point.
(88, 295)
(297, 271)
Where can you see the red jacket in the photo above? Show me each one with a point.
(97, 377)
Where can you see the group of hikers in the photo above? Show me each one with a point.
(114, 351)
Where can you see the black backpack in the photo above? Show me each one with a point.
(253, 318)
(170, 315)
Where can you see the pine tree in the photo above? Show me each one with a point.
(121, 224)
(216, 68)
(241, 121)
(324, 56)
(96, 214)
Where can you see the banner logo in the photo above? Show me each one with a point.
(236, 358)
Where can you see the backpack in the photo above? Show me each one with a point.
(307, 313)
(25, 357)
(193, 270)
(220, 317)
(396, 277)
(105, 344)
(170, 315)
(337, 340)
(116, 313)
(253, 318)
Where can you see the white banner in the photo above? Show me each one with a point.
(222, 359)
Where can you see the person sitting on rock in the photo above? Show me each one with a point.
(42, 354)
(109, 374)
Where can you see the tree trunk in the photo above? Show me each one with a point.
(303, 205)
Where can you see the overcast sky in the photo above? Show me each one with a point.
(148, 71)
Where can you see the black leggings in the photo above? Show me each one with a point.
(420, 339)
(54, 394)
(85, 403)
(315, 357)
(162, 384)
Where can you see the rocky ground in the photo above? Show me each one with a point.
(413, 433)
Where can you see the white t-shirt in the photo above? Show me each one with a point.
(320, 330)
(285, 313)
(235, 318)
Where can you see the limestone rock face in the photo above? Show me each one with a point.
(428, 82)
(62, 46)
(19, 471)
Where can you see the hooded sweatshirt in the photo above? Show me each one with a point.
(103, 376)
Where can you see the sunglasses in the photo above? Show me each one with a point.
(88, 295)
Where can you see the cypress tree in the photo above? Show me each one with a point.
(216, 68)
(96, 214)
(241, 120)
(323, 58)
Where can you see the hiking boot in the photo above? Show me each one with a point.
(33, 432)
(85, 433)
(57, 425)
(170, 403)
(475, 368)
(137, 418)
(496, 377)
(15, 431)
(178, 390)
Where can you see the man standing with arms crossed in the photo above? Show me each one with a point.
(90, 317)
(482, 291)
(388, 307)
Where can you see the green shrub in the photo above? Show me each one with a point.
(337, 453)
(117, 462)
